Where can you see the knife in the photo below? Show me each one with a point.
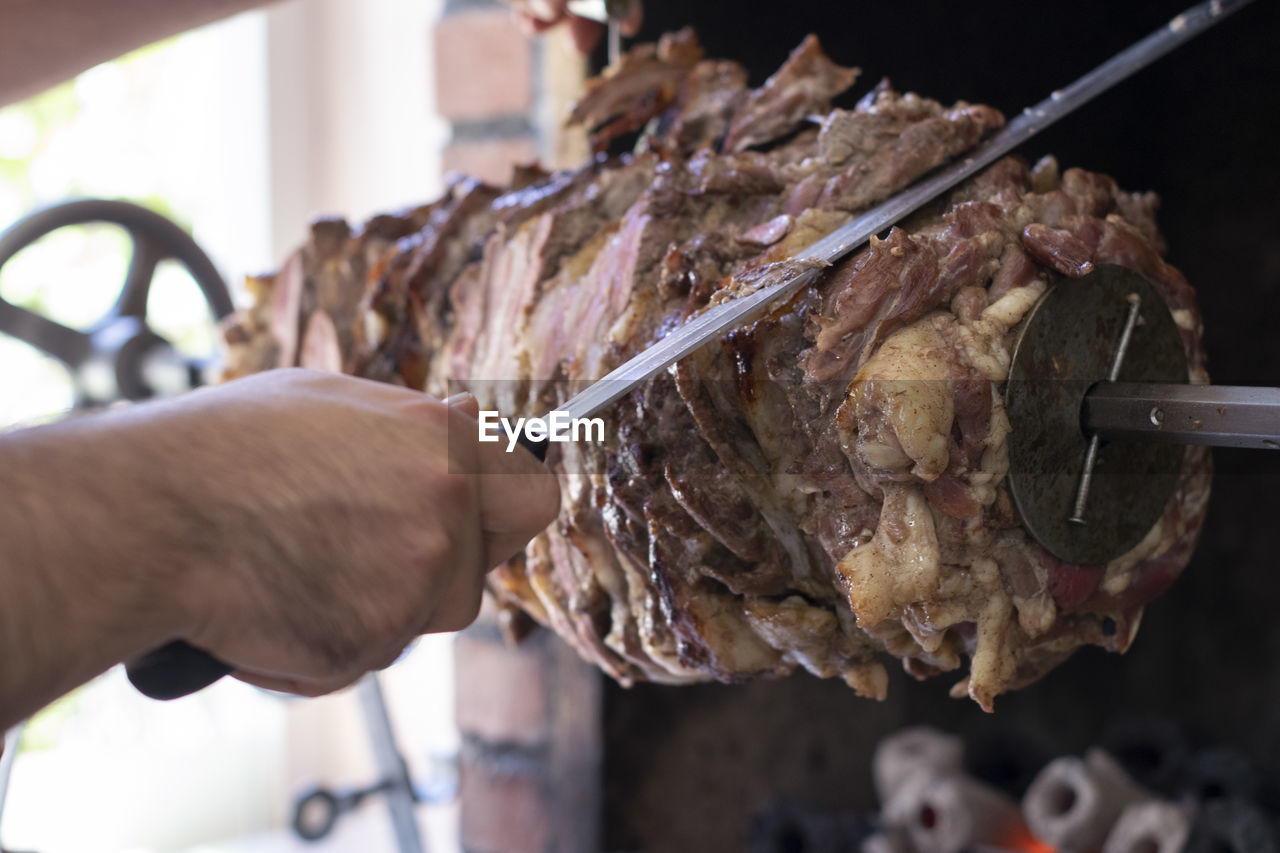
(608, 12)
(178, 668)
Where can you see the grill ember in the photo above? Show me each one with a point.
(817, 490)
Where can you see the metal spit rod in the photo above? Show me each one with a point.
(10, 740)
(401, 801)
(1216, 415)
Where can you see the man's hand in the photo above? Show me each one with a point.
(538, 16)
(353, 516)
(302, 527)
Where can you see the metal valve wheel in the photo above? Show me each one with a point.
(120, 357)
(317, 810)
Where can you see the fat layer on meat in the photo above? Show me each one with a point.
(823, 488)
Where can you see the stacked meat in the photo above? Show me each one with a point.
(815, 490)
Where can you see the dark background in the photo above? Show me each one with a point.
(687, 768)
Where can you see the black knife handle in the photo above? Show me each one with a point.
(537, 448)
(175, 669)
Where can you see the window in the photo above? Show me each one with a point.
(240, 132)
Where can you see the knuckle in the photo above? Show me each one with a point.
(442, 552)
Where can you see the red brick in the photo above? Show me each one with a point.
(501, 810)
(500, 692)
(489, 159)
(484, 65)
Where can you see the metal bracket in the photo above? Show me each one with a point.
(10, 739)
(1067, 344)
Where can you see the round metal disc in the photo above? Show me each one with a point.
(1065, 347)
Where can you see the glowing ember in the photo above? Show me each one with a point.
(1029, 844)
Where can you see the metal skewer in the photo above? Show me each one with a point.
(615, 40)
(1216, 415)
(9, 741)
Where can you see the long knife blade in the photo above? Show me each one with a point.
(714, 321)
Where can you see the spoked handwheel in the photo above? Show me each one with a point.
(119, 357)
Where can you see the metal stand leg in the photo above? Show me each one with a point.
(11, 739)
(391, 765)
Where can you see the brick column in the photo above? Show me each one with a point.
(529, 715)
(486, 87)
(530, 768)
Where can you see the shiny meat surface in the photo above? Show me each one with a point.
(822, 489)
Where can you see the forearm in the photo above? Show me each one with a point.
(43, 42)
(88, 543)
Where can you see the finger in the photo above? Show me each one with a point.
(376, 661)
(517, 495)
(630, 25)
(459, 607)
(296, 686)
(500, 544)
(586, 33)
(389, 659)
(465, 403)
(321, 686)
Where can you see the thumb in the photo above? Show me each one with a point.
(517, 495)
(464, 402)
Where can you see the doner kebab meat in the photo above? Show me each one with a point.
(823, 488)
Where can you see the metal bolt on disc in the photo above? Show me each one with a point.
(1065, 347)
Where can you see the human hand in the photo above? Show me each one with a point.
(538, 16)
(343, 518)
